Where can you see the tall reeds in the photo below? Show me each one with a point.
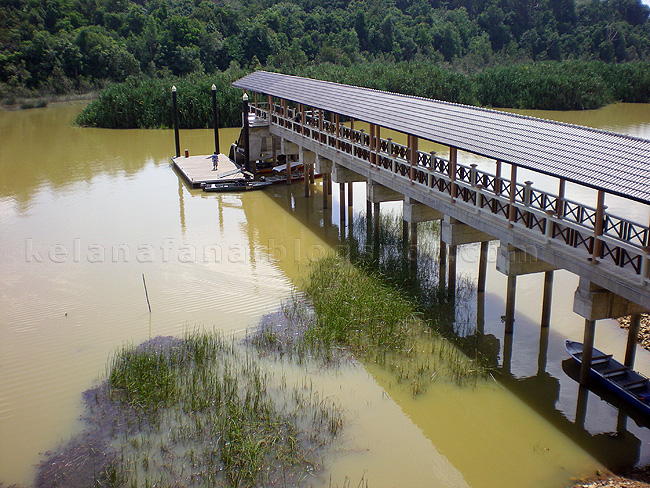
(147, 103)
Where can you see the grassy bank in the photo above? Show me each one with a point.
(549, 85)
(197, 411)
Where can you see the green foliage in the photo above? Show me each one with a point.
(545, 86)
(147, 103)
(548, 85)
(66, 45)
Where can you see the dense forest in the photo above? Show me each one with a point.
(59, 46)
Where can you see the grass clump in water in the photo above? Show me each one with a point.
(357, 310)
(197, 411)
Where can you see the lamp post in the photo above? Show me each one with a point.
(246, 141)
(175, 108)
(215, 121)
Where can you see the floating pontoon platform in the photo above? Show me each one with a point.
(197, 170)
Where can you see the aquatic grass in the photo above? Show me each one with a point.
(371, 301)
(356, 310)
(202, 411)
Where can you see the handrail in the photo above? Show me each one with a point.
(624, 243)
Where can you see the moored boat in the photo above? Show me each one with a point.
(626, 383)
(238, 185)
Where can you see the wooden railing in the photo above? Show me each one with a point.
(622, 242)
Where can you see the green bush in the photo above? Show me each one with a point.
(147, 103)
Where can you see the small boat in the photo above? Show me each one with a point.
(238, 185)
(627, 384)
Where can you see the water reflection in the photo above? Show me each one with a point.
(114, 189)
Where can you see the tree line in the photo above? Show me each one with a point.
(59, 46)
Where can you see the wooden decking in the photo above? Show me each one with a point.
(198, 169)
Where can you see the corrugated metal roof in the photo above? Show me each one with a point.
(613, 162)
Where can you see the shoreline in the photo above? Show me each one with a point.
(11, 104)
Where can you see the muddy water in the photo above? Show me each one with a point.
(85, 213)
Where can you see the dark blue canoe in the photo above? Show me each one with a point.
(631, 386)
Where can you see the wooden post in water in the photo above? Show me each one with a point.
(325, 185)
(482, 267)
(414, 247)
(442, 264)
(215, 119)
(376, 222)
(587, 350)
(452, 271)
(176, 133)
(510, 304)
(368, 215)
(632, 337)
(547, 298)
(342, 204)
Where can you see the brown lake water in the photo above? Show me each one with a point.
(84, 213)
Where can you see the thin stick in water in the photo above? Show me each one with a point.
(146, 293)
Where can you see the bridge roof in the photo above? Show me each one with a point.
(616, 163)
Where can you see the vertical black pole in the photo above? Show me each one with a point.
(215, 120)
(176, 135)
(246, 141)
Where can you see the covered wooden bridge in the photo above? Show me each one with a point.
(538, 230)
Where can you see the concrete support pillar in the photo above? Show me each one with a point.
(405, 233)
(587, 350)
(329, 185)
(482, 267)
(414, 245)
(547, 298)
(452, 270)
(275, 150)
(632, 337)
(480, 313)
(342, 204)
(325, 186)
(581, 406)
(312, 175)
(543, 350)
(350, 194)
(376, 222)
(510, 303)
(287, 170)
(306, 172)
(507, 354)
(442, 264)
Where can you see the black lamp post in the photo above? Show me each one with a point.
(215, 120)
(176, 135)
(246, 141)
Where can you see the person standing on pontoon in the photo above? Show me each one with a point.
(215, 161)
